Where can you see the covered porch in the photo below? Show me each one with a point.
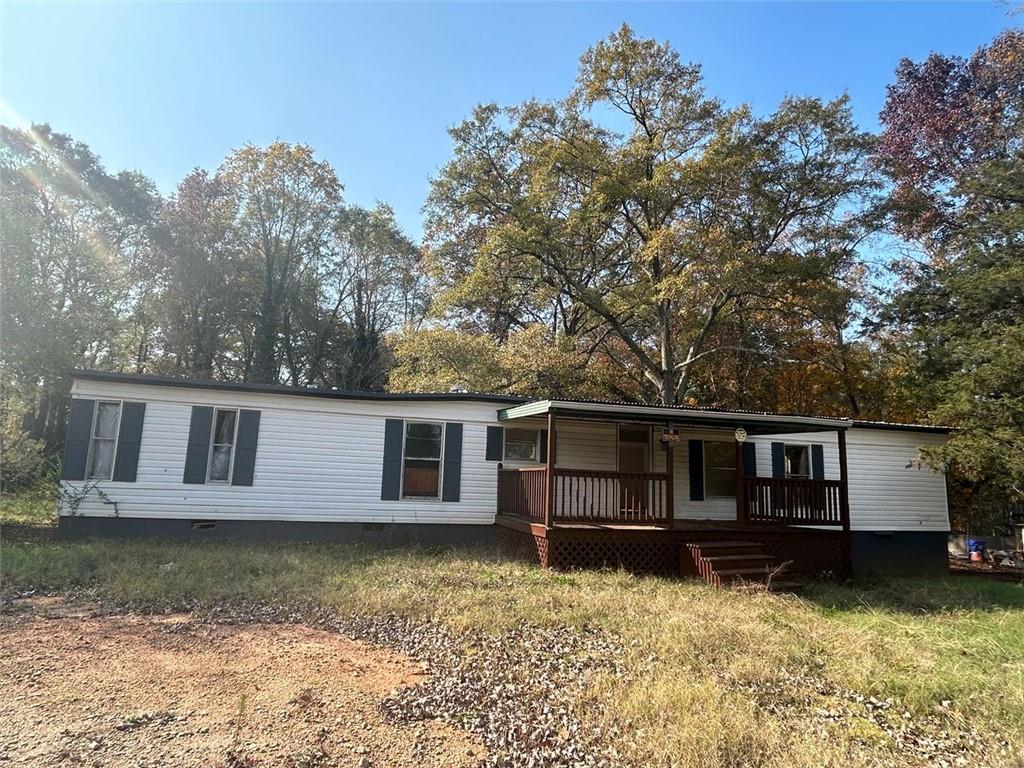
(674, 476)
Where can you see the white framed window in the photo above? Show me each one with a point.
(798, 461)
(222, 445)
(106, 419)
(421, 459)
(719, 468)
(522, 444)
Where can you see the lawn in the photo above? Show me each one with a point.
(840, 675)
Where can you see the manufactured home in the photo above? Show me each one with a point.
(663, 489)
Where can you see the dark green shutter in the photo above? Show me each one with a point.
(129, 440)
(391, 474)
(778, 459)
(542, 452)
(198, 452)
(245, 448)
(495, 443)
(76, 442)
(451, 477)
(818, 462)
(749, 460)
(696, 456)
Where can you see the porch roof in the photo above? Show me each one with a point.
(753, 422)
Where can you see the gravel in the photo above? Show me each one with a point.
(520, 691)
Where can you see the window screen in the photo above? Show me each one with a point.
(798, 462)
(222, 445)
(521, 445)
(719, 468)
(421, 460)
(104, 440)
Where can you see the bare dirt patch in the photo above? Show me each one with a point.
(140, 691)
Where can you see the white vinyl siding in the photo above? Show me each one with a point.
(889, 489)
(317, 460)
(320, 459)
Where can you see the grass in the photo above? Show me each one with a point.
(35, 509)
(714, 678)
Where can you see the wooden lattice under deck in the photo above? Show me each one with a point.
(652, 550)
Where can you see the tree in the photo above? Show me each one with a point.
(944, 119)
(958, 190)
(287, 202)
(74, 240)
(198, 309)
(381, 290)
(443, 360)
(641, 242)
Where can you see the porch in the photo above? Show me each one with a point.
(570, 497)
(566, 515)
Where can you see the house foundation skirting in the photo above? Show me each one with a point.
(386, 534)
(659, 551)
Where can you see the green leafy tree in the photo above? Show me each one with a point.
(642, 233)
(75, 240)
(198, 310)
(954, 147)
(287, 202)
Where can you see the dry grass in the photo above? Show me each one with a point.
(713, 678)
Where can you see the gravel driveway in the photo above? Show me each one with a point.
(167, 691)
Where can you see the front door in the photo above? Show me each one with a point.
(634, 457)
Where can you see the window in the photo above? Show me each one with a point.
(798, 462)
(103, 439)
(421, 460)
(222, 445)
(719, 468)
(521, 445)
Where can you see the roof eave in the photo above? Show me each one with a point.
(282, 389)
(754, 423)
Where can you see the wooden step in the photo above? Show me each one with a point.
(718, 548)
(752, 560)
(734, 558)
(724, 544)
(743, 573)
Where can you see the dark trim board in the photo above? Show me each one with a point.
(899, 553)
(387, 534)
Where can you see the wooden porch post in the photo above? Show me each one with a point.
(670, 471)
(741, 506)
(844, 482)
(549, 490)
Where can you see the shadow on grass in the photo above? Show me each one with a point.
(917, 596)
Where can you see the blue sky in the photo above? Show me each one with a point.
(373, 88)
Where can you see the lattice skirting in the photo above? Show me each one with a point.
(810, 553)
(639, 553)
(522, 545)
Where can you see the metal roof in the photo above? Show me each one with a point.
(752, 421)
(521, 407)
(284, 389)
(901, 426)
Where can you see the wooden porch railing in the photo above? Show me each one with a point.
(586, 496)
(521, 492)
(793, 502)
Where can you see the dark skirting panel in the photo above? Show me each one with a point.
(388, 534)
(899, 553)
